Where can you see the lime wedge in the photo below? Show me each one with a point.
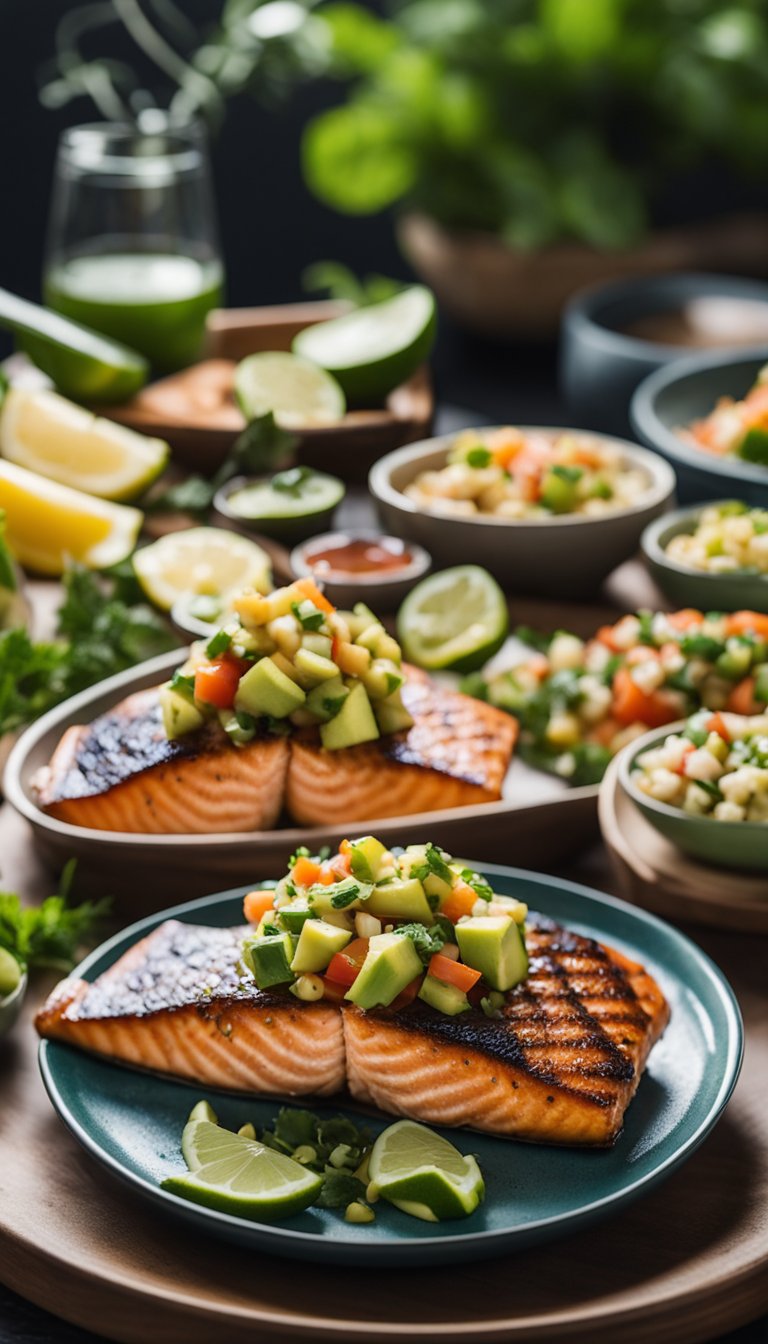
(454, 619)
(203, 560)
(240, 1176)
(10, 973)
(423, 1174)
(373, 349)
(48, 434)
(82, 364)
(46, 523)
(299, 394)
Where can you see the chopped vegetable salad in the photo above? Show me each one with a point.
(718, 766)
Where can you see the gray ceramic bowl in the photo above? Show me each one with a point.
(10, 1005)
(601, 365)
(563, 556)
(728, 844)
(382, 592)
(686, 391)
(687, 587)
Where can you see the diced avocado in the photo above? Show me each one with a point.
(349, 894)
(354, 722)
(447, 999)
(269, 959)
(240, 728)
(369, 637)
(285, 665)
(391, 714)
(359, 619)
(294, 915)
(313, 668)
(735, 661)
(400, 898)
(325, 700)
(754, 446)
(318, 943)
(437, 886)
(760, 691)
(365, 858)
(391, 964)
(180, 715)
(494, 945)
(319, 644)
(382, 678)
(265, 689)
(559, 489)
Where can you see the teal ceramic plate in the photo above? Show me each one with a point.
(132, 1122)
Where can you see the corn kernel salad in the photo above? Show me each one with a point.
(728, 538)
(735, 428)
(717, 767)
(505, 473)
(580, 701)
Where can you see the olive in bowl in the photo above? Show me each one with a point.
(289, 506)
(702, 783)
(713, 557)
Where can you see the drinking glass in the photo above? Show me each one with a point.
(132, 246)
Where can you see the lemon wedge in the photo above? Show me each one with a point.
(201, 560)
(44, 432)
(47, 524)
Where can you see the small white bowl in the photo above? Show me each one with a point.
(565, 555)
(382, 591)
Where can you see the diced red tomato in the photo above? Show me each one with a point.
(686, 751)
(345, 966)
(718, 725)
(460, 902)
(333, 991)
(453, 972)
(306, 872)
(747, 622)
(216, 683)
(406, 995)
(309, 589)
(256, 905)
(742, 698)
(631, 705)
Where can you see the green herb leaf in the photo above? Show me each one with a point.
(308, 615)
(340, 1188)
(290, 482)
(426, 941)
(50, 934)
(220, 642)
(479, 457)
(478, 884)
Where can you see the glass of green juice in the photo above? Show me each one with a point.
(132, 246)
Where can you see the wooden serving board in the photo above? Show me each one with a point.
(683, 1265)
(655, 874)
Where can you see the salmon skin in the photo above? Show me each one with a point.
(559, 1065)
(121, 773)
(177, 1003)
(455, 755)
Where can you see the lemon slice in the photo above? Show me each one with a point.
(423, 1174)
(47, 524)
(202, 560)
(239, 1175)
(299, 394)
(46, 433)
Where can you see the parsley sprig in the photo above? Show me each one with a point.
(50, 934)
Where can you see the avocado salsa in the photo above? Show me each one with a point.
(380, 928)
(291, 660)
(580, 701)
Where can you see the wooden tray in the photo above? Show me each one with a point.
(655, 874)
(682, 1265)
(348, 448)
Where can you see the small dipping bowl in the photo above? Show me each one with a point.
(727, 844)
(688, 587)
(10, 1005)
(290, 527)
(603, 358)
(379, 587)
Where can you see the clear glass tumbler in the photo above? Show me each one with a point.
(132, 245)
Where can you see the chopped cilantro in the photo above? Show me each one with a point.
(478, 884)
(427, 941)
(52, 933)
(218, 644)
(479, 457)
(308, 615)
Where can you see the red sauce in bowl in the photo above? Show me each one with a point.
(354, 555)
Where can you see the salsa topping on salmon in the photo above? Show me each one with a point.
(288, 661)
(381, 928)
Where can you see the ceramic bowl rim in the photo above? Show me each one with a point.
(222, 505)
(411, 573)
(653, 550)
(661, 485)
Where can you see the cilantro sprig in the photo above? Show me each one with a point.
(52, 933)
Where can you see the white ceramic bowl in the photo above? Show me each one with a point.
(566, 555)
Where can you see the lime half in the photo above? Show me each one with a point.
(50, 435)
(10, 973)
(423, 1174)
(299, 393)
(455, 619)
(240, 1176)
(201, 560)
(373, 349)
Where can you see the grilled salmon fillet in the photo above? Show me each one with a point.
(560, 1065)
(176, 1003)
(121, 773)
(456, 754)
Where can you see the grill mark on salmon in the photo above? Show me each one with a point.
(559, 1066)
(455, 755)
(177, 1003)
(121, 773)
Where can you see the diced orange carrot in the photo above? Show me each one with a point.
(742, 698)
(345, 847)
(684, 619)
(606, 635)
(718, 725)
(460, 902)
(631, 705)
(308, 588)
(453, 972)
(306, 872)
(747, 622)
(256, 905)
